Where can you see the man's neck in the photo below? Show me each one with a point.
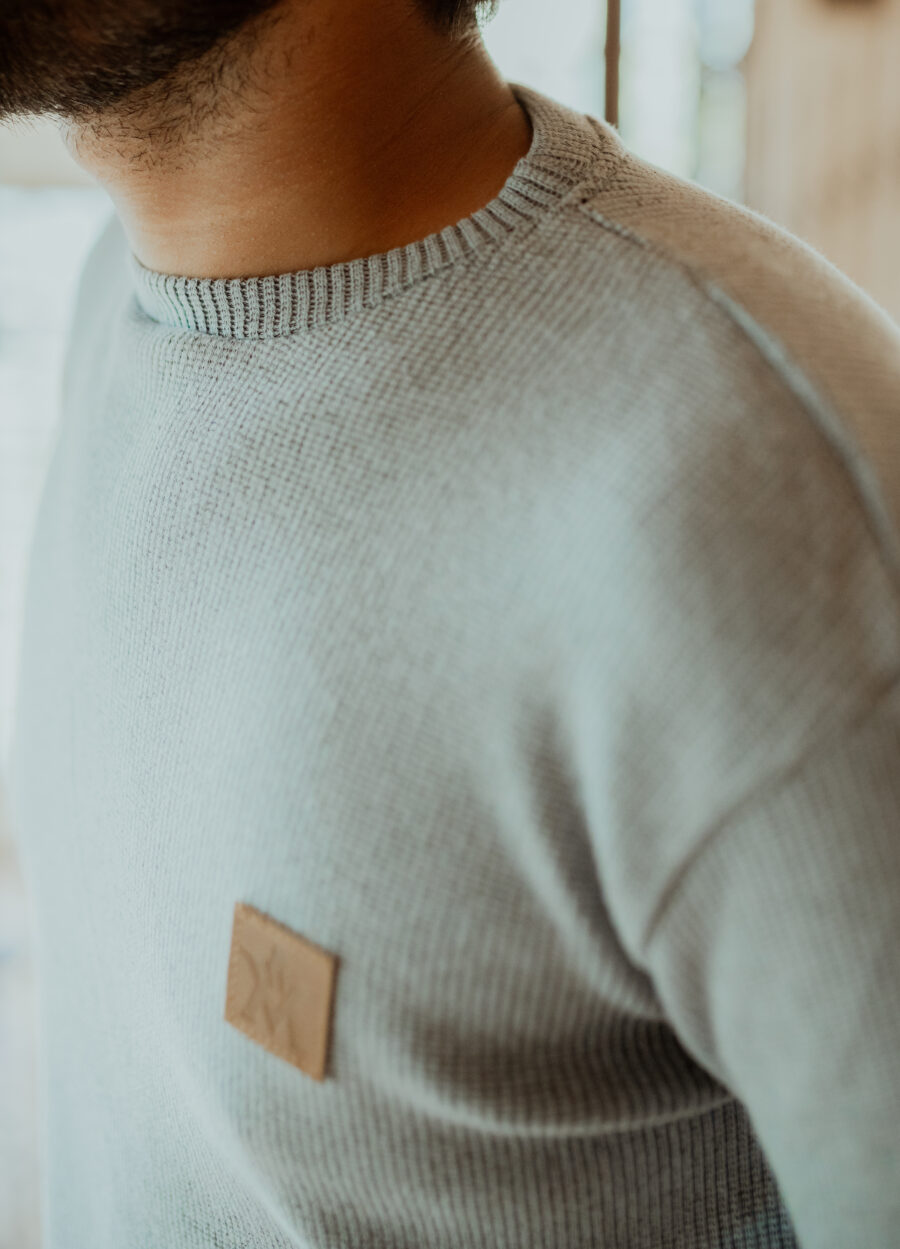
(373, 132)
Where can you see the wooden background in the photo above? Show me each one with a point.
(823, 81)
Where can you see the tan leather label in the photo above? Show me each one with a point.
(280, 990)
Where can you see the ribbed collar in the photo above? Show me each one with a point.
(564, 145)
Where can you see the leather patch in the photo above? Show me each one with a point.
(280, 990)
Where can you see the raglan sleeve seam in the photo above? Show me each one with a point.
(828, 427)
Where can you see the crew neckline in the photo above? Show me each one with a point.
(565, 144)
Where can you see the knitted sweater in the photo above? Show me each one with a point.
(456, 760)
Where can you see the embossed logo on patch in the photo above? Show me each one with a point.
(280, 990)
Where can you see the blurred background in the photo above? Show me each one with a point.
(789, 106)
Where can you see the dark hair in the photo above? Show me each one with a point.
(99, 53)
(456, 17)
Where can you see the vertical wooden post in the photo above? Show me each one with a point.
(613, 56)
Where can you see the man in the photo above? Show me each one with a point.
(457, 731)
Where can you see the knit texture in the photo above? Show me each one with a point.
(515, 615)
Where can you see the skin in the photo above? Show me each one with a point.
(341, 129)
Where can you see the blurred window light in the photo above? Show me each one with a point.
(44, 237)
(660, 82)
(721, 133)
(682, 94)
(683, 90)
(33, 153)
(556, 48)
(725, 29)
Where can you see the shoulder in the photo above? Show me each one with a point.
(829, 347)
(745, 580)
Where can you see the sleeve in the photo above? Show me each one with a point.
(739, 763)
(775, 951)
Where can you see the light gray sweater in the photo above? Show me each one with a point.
(456, 759)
